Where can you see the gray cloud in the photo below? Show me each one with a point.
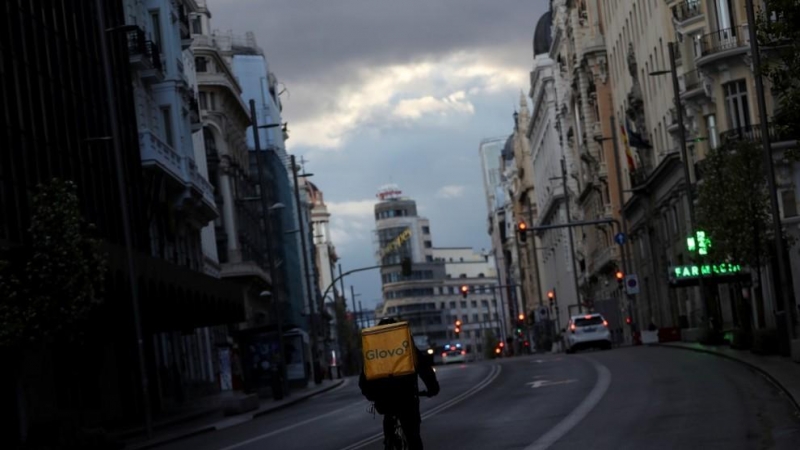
(320, 49)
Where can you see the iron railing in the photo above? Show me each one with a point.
(721, 40)
(686, 10)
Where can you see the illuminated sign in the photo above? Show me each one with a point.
(389, 191)
(695, 271)
(698, 243)
(396, 242)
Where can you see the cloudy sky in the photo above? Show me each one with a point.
(388, 91)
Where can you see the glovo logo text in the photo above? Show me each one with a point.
(387, 353)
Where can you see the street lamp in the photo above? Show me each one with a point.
(311, 323)
(684, 155)
(124, 208)
(267, 211)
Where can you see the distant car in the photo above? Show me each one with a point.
(454, 356)
(587, 331)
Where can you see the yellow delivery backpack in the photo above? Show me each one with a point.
(388, 351)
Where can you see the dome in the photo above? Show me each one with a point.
(542, 36)
(508, 149)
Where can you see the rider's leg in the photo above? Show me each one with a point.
(410, 420)
(388, 428)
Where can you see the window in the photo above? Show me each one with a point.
(481, 275)
(463, 304)
(428, 258)
(674, 221)
(711, 128)
(155, 19)
(428, 244)
(166, 123)
(473, 304)
(736, 104)
(201, 64)
(197, 25)
(426, 230)
(452, 305)
(789, 201)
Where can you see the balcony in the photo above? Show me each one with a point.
(194, 115)
(753, 133)
(722, 44)
(157, 153)
(145, 56)
(603, 257)
(185, 29)
(198, 183)
(686, 10)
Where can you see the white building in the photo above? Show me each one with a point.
(550, 135)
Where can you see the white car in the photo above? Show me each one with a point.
(587, 330)
(454, 356)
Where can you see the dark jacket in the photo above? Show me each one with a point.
(392, 393)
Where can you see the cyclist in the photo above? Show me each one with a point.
(399, 397)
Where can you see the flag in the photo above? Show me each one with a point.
(628, 154)
(636, 139)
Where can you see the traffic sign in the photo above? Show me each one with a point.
(620, 238)
(632, 284)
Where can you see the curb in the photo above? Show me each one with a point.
(216, 426)
(758, 369)
(299, 399)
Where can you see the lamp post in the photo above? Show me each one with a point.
(268, 231)
(782, 292)
(311, 323)
(685, 156)
(123, 201)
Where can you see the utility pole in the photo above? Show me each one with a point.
(270, 251)
(569, 233)
(623, 254)
(687, 180)
(311, 322)
(126, 226)
(783, 299)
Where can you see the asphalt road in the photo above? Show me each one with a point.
(636, 398)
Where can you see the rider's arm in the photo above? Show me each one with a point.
(428, 375)
(366, 387)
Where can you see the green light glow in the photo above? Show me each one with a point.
(695, 271)
(698, 243)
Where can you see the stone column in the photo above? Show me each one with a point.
(228, 214)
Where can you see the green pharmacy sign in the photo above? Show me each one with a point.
(700, 243)
(694, 271)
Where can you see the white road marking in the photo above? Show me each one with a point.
(541, 383)
(577, 414)
(290, 427)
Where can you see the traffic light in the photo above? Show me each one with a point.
(464, 290)
(405, 265)
(628, 320)
(521, 317)
(620, 278)
(522, 229)
(457, 328)
(551, 296)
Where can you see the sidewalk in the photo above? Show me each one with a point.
(211, 418)
(782, 371)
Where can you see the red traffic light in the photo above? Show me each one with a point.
(464, 289)
(620, 275)
(521, 316)
(501, 345)
(458, 323)
(551, 295)
(458, 330)
(628, 320)
(522, 226)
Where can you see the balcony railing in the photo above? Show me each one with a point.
(686, 10)
(198, 182)
(156, 152)
(753, 133)
(143, 52)
(721, 40)
(692, 80)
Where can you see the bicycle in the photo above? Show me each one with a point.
(398, 440)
